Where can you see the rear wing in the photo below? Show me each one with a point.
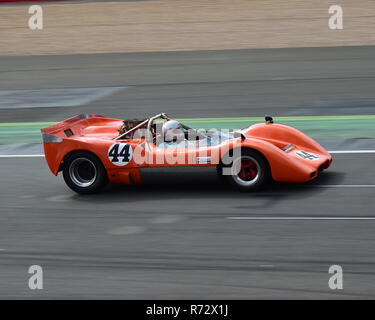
(68, 122)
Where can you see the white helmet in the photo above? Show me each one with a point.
(172, 130)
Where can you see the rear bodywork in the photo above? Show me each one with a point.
(292, 156)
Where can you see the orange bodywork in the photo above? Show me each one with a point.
(281, 145)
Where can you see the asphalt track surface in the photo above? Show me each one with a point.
(183, 234)
(238, 83)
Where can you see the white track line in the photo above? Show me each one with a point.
(21, 155)
(352, 151)
(342, 186)
(301, 218)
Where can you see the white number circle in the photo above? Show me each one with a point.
(120, 154)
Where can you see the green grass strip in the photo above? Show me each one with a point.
(352, 126)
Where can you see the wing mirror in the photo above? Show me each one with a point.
(268, 119)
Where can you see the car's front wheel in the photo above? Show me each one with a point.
(84, 173)
(248, 171)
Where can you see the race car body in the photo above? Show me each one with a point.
(92, 150)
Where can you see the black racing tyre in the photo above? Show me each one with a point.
(248, 171)
(84, 173)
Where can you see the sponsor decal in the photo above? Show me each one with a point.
(307, 155)
(203, 159)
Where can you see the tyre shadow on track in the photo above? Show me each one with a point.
(197, 186)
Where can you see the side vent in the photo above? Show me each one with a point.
(68, 132)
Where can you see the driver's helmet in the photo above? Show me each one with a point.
(172, 131)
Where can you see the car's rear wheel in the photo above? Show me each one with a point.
(248, 171)
(84, 173)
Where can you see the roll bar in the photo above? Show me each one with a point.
(148, 122)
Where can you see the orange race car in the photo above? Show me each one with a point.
(92, 150)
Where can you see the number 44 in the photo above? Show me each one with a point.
(120, 150)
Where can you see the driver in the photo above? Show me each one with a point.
(173, 134)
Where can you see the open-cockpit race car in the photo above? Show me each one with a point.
(92, 150)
